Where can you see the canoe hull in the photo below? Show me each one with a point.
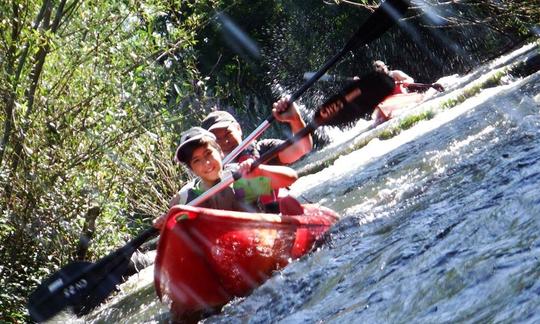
(388, 108)
(206, 257)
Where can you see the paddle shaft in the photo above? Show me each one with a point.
(379, 22)
(253, 136)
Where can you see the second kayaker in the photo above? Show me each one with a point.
(401, 78)
(228, 134)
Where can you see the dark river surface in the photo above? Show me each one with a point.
(440, 224)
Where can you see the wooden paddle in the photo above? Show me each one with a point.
(379, 22)
(84, 285)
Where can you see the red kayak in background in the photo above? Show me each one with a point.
(387, 109)
(405, 95)
(206, 257)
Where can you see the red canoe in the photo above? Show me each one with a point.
(386, 109)
(206, 257)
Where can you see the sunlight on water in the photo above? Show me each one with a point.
(338, 136)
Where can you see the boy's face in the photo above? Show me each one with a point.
(228, 138)
(206, 163)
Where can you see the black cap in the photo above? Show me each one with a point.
(218, 119)
(191, 135)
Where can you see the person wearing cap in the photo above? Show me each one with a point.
(229, 134)
(199, 151)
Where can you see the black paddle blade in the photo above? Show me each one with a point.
(53, 295)
(379, 22)
(81, 286)
(357, 100)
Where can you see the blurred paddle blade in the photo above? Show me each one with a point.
(236, 38)
(53, 295)
(355, 101)
(80, 286)
(388, 13)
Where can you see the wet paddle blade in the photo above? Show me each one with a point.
(51, 296)
(81, 286)
(380, 21)
(355, 101)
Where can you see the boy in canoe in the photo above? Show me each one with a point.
(199, 151)
(229, 134)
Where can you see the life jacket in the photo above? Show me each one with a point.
(265, 202)
(256, 194)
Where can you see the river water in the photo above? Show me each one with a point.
(440, 224)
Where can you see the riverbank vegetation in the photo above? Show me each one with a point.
(94, 95)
